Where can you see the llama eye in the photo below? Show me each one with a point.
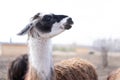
(47, 18)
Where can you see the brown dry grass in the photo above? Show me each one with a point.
(58, 56)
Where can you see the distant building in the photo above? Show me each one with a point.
(83, 49)
(13, 49)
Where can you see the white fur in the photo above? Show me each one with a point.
(41, 56)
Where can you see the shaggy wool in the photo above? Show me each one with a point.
(115, 75)
(75, 69)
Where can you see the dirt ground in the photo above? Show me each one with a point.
(114, 62)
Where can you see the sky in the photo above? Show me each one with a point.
(93, 19)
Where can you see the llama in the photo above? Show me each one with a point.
(40, 61)
(40, 30)
(115, 75)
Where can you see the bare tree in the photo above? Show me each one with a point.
(104, 46)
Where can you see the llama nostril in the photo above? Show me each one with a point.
(69, 21)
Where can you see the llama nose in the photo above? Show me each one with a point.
(69, 21)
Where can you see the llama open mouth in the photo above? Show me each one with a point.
(68, 26)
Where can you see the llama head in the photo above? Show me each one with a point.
(47, 25)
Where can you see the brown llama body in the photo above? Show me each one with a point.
(75, 69)
(115, 75)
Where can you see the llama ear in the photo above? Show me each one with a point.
(25, 30)
(29, 26)
(35, 16)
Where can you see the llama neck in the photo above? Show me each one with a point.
(41, 58)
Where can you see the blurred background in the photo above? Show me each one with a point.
(95, 35)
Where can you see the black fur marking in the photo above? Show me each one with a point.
(47, 18)
(58, 18)
(45, 27)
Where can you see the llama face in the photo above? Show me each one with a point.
(47, 25)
